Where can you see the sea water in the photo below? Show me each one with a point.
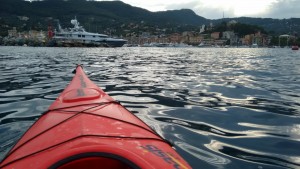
(221, 107)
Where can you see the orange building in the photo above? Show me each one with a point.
(175, 38)
(215, 35)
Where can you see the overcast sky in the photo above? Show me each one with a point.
(214, 9)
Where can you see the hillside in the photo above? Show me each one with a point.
(93, 15)
(273, 26)
(115, 17)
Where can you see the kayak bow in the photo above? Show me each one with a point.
(86, 128)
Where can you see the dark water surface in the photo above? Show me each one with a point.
(222, 108)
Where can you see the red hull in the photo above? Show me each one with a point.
(86, 128)
(295, 47)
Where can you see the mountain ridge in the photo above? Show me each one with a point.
(113, 14)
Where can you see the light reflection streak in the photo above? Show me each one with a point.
(254, 156)
(203, 155)
(293, 132)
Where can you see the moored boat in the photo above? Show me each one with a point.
(77, 36)
(295, 47)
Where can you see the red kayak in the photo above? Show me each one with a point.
(86, 128)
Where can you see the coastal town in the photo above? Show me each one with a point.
(149, 84)
(116, 24)
(204, 37)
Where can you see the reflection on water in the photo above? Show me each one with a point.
(254, 156)
(221, 108)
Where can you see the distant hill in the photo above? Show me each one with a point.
(116, 16)
(273, 26)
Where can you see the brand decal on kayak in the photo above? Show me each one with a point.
(80, 92)
(82, 82)
(167, 157)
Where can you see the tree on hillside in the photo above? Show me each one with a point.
(245, 29)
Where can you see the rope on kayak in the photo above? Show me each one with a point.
(88, 104)
(77, 113)
(153, 131)
(83, 112)
(133, 124)
(117, 102)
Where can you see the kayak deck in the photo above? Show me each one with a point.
(86, 128)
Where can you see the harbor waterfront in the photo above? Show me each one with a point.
(220, 107)
(77, 36)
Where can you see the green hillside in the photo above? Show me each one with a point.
(117, 18)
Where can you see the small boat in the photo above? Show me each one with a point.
(295, 47)
(86, 128)
(203, 45)
(254, 45)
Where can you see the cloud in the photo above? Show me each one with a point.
(279, 9)
(284, 9)
(200, 9)
(214, 9)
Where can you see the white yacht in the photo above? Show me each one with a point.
(78, 35)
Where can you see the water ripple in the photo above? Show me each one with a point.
(199, 127)
(222, 108)
(258, 157)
